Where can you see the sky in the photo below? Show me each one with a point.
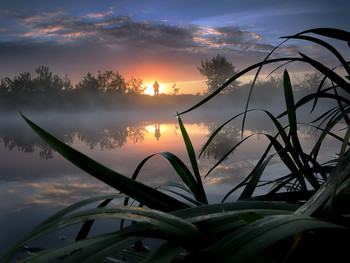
(155, 40)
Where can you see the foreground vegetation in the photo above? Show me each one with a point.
(303, 217)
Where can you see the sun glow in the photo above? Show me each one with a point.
(150, 90)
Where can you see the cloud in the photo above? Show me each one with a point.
(109, 30)
(62, 193)
(76, 44)
(100, 15)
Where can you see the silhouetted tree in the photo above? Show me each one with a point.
(218, 70)
(134, 86)
(67, 84)
(89, 83)
(111, 81)
(21, 83)
(4, 87)
(311, 81)
(44, 80)
(174, 90)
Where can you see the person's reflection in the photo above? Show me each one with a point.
(157, 131)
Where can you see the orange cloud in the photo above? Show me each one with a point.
(256, 36)
(100, 15)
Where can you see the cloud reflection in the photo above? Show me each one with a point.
(61, 193)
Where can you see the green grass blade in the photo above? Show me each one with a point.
(171, 225)
(196, 214)
(95, 243)
(99, 251)
(227, 154)
(310, 97)
(85, 229)
(329, 32)
(176, 185)
(182, 171)
(253, 83)
(251, 174)
(338, 168)
(296, 150)
(186, 197)
(327, 72)
(136, 190)
(165, 253)
(327, 130)
(250, 240)
(212, 136)
(319, 199)
(42, 228)
(327, 46)
(253, 182)
(289, 98)
(193, 159)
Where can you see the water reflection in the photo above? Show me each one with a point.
(157, 131)
(223, 142)
(38, 182)
(110, 139)
(107, 136)
(27, 145)
(103, 138)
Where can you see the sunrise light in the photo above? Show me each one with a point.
(150, 90)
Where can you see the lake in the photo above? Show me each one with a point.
(37, 182)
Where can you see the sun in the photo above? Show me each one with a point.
(149, 89)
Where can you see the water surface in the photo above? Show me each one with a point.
(35, 181)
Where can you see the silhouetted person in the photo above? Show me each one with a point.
(156, 88)
(157, 131)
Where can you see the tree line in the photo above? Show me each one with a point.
(110, 89)
(46, 81)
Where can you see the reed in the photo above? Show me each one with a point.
(305, 209)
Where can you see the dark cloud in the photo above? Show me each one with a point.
(85, 36)
(110, 30)
(104, 40)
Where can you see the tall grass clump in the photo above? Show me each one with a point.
(303, 217)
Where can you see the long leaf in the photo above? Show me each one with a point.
(42, 228)
(253, 182)
(329, 32)
(339, 168)
(85, 229)
(182, 171)
(251, 174)
(193, 159)
(296, 151)
(170, 224)
(227, 154)
(252, 239)
(319, 199)
(196, 214)
(253, 83)
(326, 45)
(327, 72)
(138, 191)
(212, 136)
(96, 243)
(288, 95)
(166, 253)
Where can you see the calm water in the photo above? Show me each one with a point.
(36, 181)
